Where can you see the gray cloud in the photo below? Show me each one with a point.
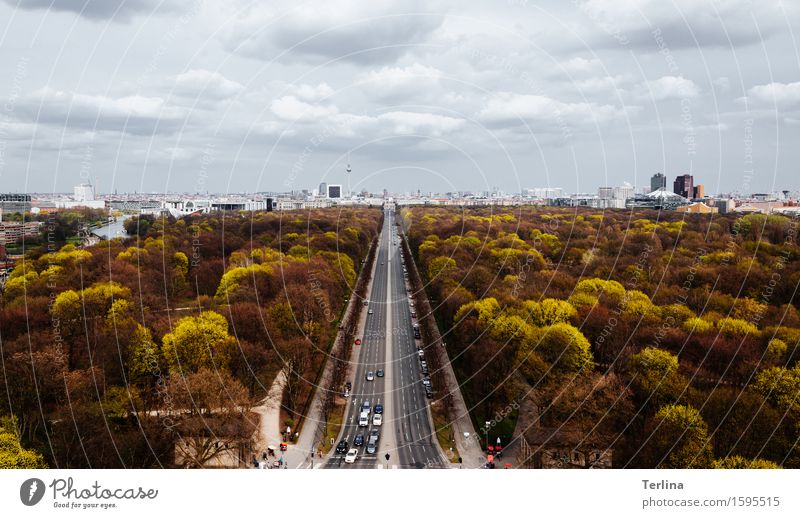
(118, 10)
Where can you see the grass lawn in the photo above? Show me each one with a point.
(444, 433)
(334, 425)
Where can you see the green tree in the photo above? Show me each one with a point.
(143, 354)
(196, 342)
(656, 380)
(737, 462)
(562, 345)
(549, 312)
(12, 454)
(440, 265)
(679, 439)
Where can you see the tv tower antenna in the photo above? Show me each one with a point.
(348, 169)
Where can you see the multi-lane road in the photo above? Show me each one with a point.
(388, 344)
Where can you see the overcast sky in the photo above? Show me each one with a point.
(168, 95)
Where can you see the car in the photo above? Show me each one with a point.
(420, 352)
(363, 419)
(372, 443)
(342, 447)
(423, 363)
(377, 419)
(351, 456)
(413, 314)
(379, 373)
(359, 439)
(365, 406)
(378, 408)
(348, 386)
(370, 376)
(381, 262)
(425, 370)
(429, 394)
(370, 311)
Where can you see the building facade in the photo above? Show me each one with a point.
(658, 181)
(684, 186)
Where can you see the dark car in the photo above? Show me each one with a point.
(379, 373)
(348, 386)
(359, 440)
(372, 442)
(341, 448)
(429, 393)
(378, 408)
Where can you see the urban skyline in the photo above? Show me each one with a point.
(282, 96)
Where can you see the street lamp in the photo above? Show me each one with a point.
(488, 424)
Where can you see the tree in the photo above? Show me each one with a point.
(678, 438)
(737, 462)
(12, 454)
(655, 377)
(215, 417)
(549, 312)
(196, 342)
(143, 354)
(564, 346)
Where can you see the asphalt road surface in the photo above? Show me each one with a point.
(388, 343)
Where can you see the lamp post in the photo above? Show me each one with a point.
(488, 424)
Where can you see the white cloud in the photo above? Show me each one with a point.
(377, 31)
(782, 95)
(669, 87)
(205, 83)
(290, 108)
(408, 123)
(547, 113)
(133, 114)
(311, 93)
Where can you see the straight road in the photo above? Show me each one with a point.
(406, 433)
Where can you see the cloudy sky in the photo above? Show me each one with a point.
(194, 96)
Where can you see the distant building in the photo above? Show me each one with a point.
(697, 208)
(699, 192)
(684, 186)
(660, 199)
(725, 206)
(658, 182)
(83, 192)
(11, 203)
(14, 231)
(334, 191)
(545, 193)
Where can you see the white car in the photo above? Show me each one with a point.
(370, 376)
(377, 419)
(363, 419)
(351, 456)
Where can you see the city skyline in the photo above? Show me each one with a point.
(280, 98)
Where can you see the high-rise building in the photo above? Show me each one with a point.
(658, 181)
(334, 191)
(323, 189)
(684, 186)
(699, 191)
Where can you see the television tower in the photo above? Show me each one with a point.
(348, 169)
